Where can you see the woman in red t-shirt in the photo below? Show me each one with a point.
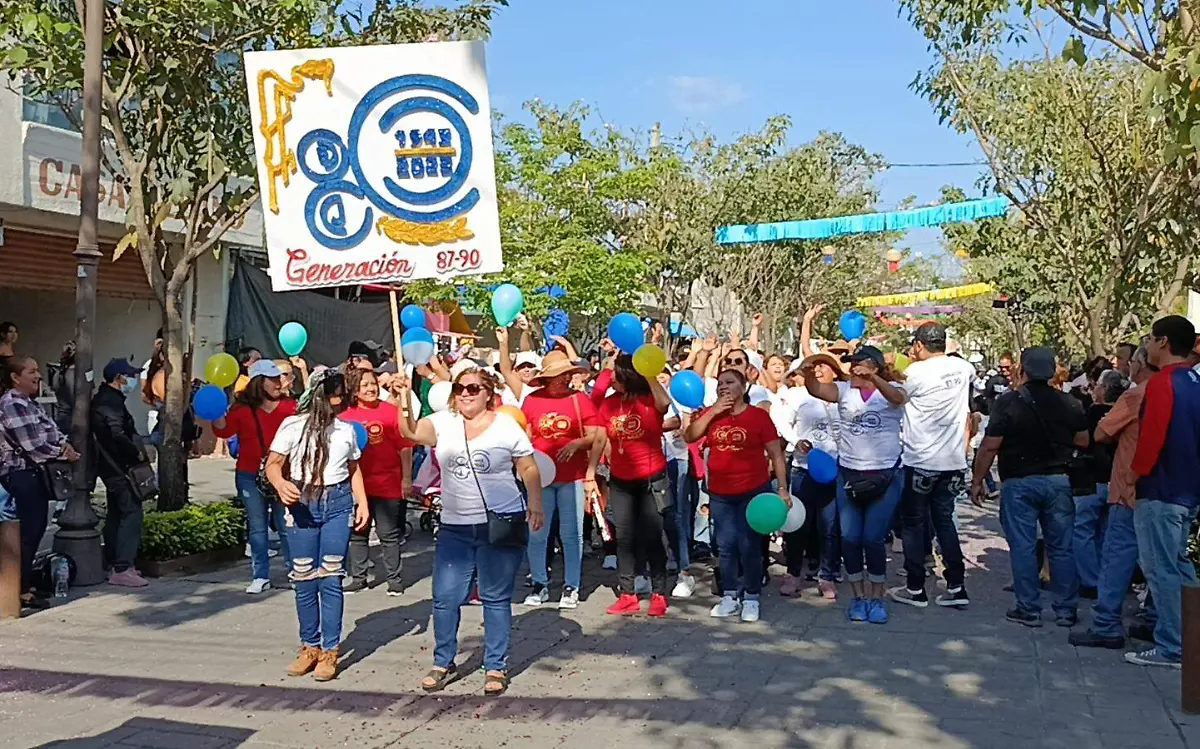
(638, 490)
(740, 440)
(258, 410)
(564, 425)
(386, 466)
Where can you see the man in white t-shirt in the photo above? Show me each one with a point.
(934, 441)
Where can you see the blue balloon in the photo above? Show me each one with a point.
(360, 435)
(417, 346)
(687, 389)
(293, 338)
(852, 324)
(507, 303)
(412, 316)
(210, 403)
(626, 332)
(822, 467)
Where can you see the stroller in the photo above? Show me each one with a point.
(428, 486)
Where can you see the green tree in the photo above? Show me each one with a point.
(176, 116)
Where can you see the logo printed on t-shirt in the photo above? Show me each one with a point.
(627, 427)
(374, 433)
(868, 421)
(462, 470)
(728, 438)
(553, 426)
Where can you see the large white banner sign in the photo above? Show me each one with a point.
(375, 163)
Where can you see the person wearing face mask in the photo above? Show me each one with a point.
(119, 448)
(255, 417)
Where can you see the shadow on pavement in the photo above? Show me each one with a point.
(153, 732)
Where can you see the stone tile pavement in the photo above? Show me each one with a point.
(196, 663)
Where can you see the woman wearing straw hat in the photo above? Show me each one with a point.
(564, 424)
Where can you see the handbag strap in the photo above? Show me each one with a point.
(262, 442)
(471, 465)
(1027, 398)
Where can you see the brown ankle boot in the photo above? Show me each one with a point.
(326, 665)
(306, 660)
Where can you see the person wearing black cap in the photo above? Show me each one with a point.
(119, 448)
(934, 439)
(1034, 430)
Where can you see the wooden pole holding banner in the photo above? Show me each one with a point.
(10, 570)
(396, 329)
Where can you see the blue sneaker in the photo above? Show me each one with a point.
(858, 611)
(877, 612)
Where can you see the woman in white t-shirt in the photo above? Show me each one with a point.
(868, 484)
(313, 465)
(480, 453)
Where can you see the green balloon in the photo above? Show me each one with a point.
(766, 513)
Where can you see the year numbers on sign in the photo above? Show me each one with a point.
(451, 260)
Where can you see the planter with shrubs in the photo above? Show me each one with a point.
(198, 538)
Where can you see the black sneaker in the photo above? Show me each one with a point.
(1088, 591)
(1143, 632)
(354, 585)
(1090, 639)
(902, 594)
(952, 598)
(1020, 616)
(395, 589)
(1067, 620)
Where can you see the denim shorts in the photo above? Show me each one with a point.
(8, 506)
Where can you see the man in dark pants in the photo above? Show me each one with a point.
(119, 448)
(937, 410)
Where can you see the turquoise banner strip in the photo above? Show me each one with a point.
(867, 223)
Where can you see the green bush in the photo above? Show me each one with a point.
(192, 530)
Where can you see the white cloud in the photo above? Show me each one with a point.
(691, 94)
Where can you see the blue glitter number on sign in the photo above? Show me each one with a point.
(326, 205)
(331, 155)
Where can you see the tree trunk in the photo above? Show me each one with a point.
(172, 459)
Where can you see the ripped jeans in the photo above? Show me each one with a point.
(318, 535)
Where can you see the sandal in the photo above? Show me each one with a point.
(437, 678)
(496, 683)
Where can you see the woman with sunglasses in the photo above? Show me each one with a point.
(386, 465)
(870, 410)
(477, 450)
(324, 499)
(639, 491)
(258, 411)
(741, 439)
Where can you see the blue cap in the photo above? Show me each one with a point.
(117, 367)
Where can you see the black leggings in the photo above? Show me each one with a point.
(639, 529)
(33, 510)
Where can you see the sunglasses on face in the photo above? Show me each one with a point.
(468, 389)
(734, 361)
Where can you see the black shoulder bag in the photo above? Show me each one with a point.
(57, 476)
(260, 479)
(504, 528)
(1077, 468)
(140, 476)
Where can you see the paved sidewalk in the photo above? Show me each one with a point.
(196, 663)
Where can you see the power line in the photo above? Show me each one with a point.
(918, 165)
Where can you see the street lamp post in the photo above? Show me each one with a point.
(77, 536)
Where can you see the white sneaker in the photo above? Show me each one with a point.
(258, 585)
(272, 553)
(729, 606)
(685, 585)
(540, 595)
(610, 562)
(569, 600)
(749, 611)
(247, 550)
(641, 584)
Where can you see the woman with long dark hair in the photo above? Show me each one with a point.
(741, 440)
(258, 411)
(9, 335)
(386, 466)
(639, 491)
(324, 500)
(28, 437)
(480, 453)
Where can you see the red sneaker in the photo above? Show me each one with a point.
(626, 605)
(658, 605)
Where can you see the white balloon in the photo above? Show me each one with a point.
(545, 466)
(417, 352)
(439, 396)
(414, 404)
(795, 516)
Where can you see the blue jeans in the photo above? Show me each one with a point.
(1162, 537)
(462, 552)
(1089, 534)
(739, 546)
(679, 519)
(318, 531)
(928, 506)
(819, 540)
(567, 500)
(864, 530)
(260, 515)
(1117, 561)
(1025, 503)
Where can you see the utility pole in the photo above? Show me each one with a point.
(77, 536)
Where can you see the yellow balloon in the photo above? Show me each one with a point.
(517, 414)
(221, 370)
(649, 360)
(902, 362)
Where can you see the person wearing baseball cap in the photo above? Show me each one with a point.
(870, 409)
(934, 455)
(1034, 429)
(119, 449)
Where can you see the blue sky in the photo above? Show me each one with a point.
(841, 65)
